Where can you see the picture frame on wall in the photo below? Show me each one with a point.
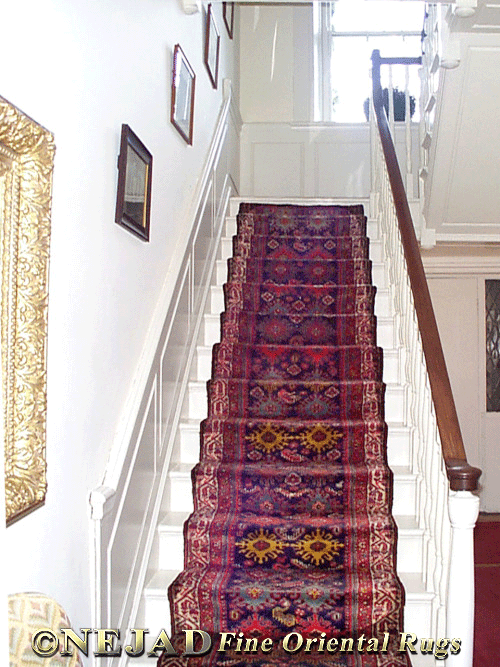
(212, 47)
(182, 99)
(228, 15)
(133, 200)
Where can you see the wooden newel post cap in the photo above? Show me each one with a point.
(462, 476)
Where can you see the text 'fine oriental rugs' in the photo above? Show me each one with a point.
(292, 529)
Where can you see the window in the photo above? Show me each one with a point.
(492, 292)
(345, 34)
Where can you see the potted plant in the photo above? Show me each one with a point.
(399, 97)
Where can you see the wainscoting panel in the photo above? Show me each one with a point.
(278, 167)
(313, 160)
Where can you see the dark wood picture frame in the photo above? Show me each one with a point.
(212, 47)
(133, 200)
(182, 99)
(228, 14)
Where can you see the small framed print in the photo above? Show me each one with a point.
(133, 201)
(212, 47)
(228, 14)
(182, 103)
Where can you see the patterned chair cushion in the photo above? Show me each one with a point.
(28, 613)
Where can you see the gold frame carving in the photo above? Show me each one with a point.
(26, 166)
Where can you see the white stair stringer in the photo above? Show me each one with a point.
(418, 608)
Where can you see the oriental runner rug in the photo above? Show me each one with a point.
(292, 529)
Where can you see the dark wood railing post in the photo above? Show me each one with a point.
(462, 476)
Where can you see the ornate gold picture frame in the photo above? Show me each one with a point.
(26, 166)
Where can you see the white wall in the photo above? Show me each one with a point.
(81, 69)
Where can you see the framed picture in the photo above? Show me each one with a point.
(133, 201)
(182, 105)
(228, 14)
(212, 46)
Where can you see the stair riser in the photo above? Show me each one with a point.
(230, 229)
(198, 402)
(382, 302)
(386, 333)
(392, 367)
(409, 553)
(226, 248)
(157, 616)
(398, 445)
(376, 251)
(211, 330)
(394, 402)
(202, 365)
(211, 335)
(189, 436)
(417, 619)
(404, 496)
(378, 274)
(181, 494)
(171, 554)
(372, 230)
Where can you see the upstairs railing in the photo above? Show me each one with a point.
(446, 509)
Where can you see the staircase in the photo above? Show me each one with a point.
(178, 493)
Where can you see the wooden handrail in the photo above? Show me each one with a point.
(462, 476)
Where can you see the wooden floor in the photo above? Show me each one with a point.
(487, 608)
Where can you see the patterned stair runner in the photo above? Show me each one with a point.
(292, 529)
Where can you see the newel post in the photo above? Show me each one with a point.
(463, 509)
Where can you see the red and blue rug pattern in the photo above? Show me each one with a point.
(292, 527)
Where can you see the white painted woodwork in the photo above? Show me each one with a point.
(314, 159)
(460, 136)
